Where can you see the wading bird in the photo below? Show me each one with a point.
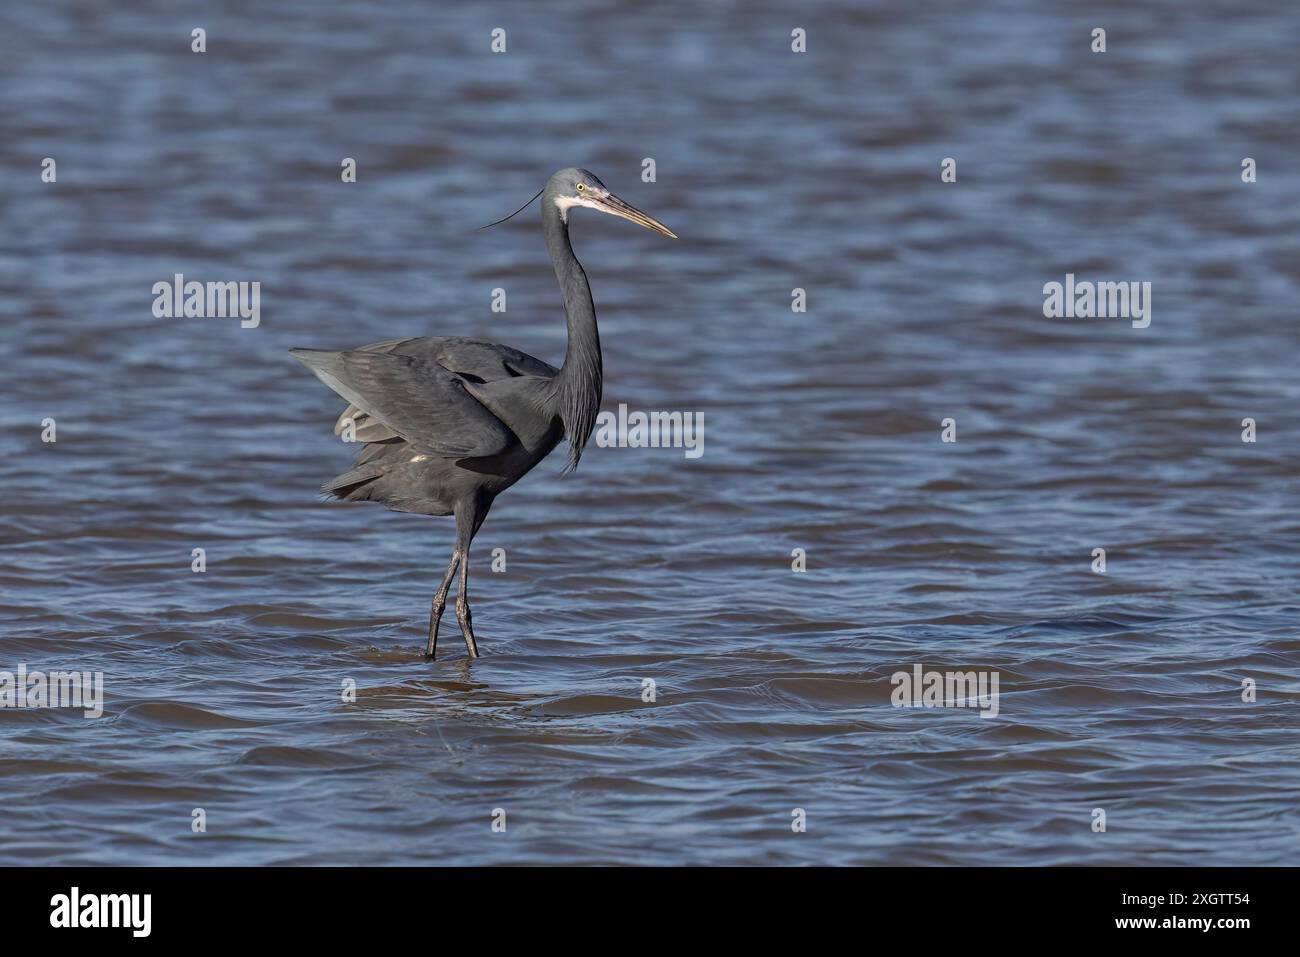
(448, 423)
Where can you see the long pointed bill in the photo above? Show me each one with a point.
(615, 206)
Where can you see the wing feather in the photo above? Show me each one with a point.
(421, 401)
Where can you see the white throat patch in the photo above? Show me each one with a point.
(565, 203)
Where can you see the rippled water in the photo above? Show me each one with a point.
(822, 432)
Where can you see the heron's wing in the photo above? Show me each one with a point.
(476, 360)
(365, 427)
(420, 401)
(473, 358)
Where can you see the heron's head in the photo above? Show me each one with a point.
(579, 187)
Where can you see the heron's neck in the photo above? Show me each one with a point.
(577, 387)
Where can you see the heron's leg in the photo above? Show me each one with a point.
(462, 609)
(439, 603)
(468, 520)
(463, 614)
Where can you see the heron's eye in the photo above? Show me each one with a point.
(581, 187)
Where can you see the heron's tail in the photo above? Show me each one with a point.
(356, 485)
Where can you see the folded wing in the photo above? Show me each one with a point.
(420, 401)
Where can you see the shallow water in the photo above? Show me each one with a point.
(1119, 691)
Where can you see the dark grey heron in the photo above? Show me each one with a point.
(448, 423)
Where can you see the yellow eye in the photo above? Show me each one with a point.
(581, 187)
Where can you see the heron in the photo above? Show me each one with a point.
(446, 423)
